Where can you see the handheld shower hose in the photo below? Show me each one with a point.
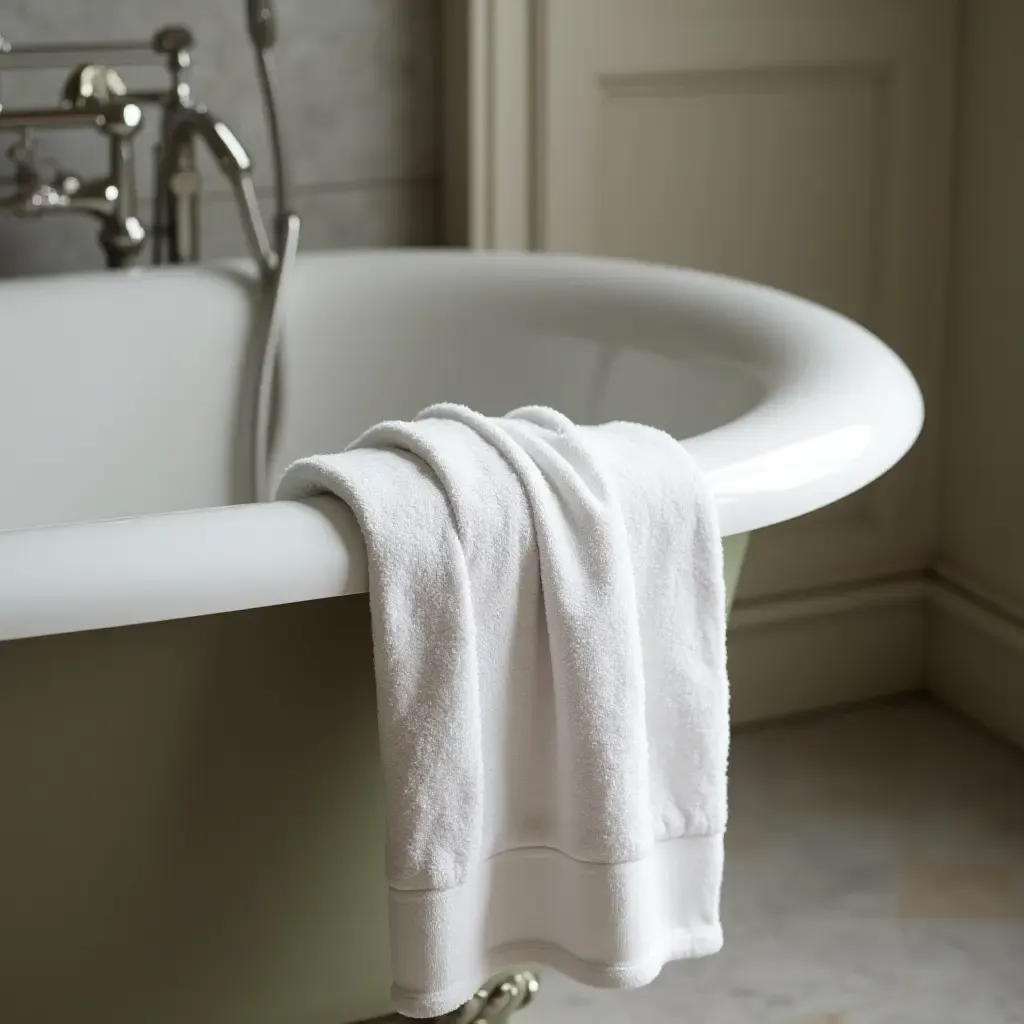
(262, 27)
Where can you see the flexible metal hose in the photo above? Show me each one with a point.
(270, 367)
(262, 26)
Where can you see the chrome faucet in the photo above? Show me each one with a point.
(95, 96)
(176, 218)
(179, 188)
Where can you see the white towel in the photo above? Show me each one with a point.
(548, 617)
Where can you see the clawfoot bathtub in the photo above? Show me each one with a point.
(192, 822)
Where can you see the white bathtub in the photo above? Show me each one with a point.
(188, 766)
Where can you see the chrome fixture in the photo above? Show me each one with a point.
(262, 26)
(498, 999)
(502, 996)
(176, 219)
(184, 122)
(95, 96)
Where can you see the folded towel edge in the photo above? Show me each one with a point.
(672, 897)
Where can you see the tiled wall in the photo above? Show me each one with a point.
(359, 92)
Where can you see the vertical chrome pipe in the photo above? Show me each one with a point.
(262, 26)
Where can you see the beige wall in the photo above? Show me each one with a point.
(359, 96)
(982, 558)
(984, 437)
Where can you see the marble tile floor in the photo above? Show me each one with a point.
(874, 875)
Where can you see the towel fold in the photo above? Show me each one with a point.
(548, 614)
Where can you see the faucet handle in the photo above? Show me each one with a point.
(93, 85)
(22, 155)
(30, 170)
(176, 42)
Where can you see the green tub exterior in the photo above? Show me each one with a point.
(734, 550)
(192, 824)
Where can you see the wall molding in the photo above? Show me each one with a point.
(828, 601)
(976, 653)
(821, 648)
(932, 630)
(492, 77)
(962, 596)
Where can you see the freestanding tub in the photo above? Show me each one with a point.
(191, 804)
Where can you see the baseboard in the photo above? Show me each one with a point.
(932, 631)
(975, 655)
(814, 650)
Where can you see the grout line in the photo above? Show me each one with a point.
(219, 193)
(327, 187)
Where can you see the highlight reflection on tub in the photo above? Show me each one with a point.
(792, 466)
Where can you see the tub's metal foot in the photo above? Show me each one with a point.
(492, 1004)
(497, 1000)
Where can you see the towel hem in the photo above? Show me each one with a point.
(606, 925)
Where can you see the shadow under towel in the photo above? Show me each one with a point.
(548, 610)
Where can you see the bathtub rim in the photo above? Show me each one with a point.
(842, 409)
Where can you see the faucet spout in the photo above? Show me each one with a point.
(111, 199)
(188, 123)
(222, 142)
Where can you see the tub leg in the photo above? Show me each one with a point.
(493, 1004)
(498, 999)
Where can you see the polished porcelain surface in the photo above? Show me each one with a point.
(874, 875)
(127, 396)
